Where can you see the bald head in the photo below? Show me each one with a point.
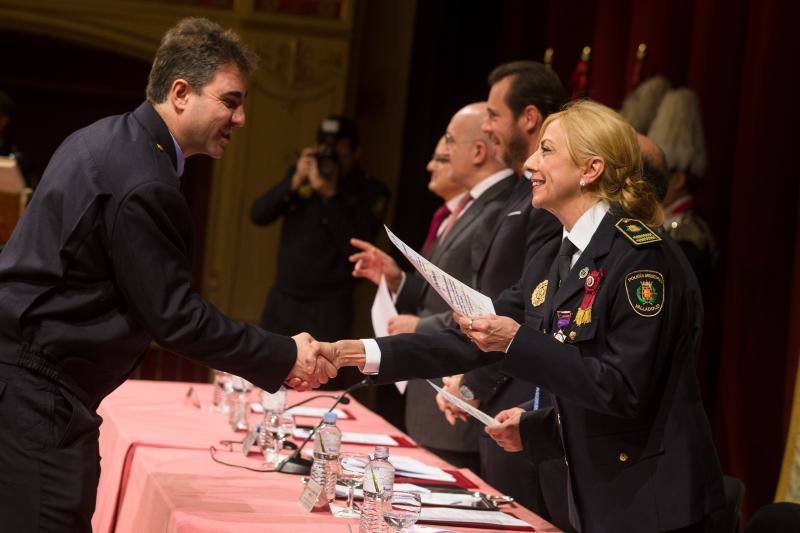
(473, 155)
(654, 166)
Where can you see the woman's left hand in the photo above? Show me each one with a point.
(491, 333)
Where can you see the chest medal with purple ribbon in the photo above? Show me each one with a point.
(562, 321)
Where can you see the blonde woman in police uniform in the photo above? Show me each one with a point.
(610, 328)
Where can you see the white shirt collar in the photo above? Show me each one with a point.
(179, 158)
(487, 183)
(583, 230)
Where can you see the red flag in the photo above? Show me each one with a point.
(579, 81)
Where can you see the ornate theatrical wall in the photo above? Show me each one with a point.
(310, 52)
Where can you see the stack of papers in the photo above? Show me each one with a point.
(354, 438)
(446, 515)
(341, 490)
(316, 412)
(311, 412)
(408, 467)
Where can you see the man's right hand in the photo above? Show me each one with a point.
(311, 367)
(371, 263)
(344, 353)
(506, 434)
(303, 167)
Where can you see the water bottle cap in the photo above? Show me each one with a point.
(381, 452)
(329, 418)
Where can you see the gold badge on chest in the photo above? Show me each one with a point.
(539, 293)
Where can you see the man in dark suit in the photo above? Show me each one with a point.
(458, 249)
(100, 266)
(521, 95)
(324, 199)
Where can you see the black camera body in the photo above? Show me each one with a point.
(327, 162)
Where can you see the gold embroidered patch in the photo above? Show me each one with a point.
(539, 293)
(636, 231)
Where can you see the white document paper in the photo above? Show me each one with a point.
(409, 467)
(458, 402)
(459, 297)
(358, 494)
(450, 499)
(354, 438)
(383, 309)
(315, 412)
(469, 516)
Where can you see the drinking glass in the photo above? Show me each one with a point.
(351, 475)
(274, 401)
(271, 447)
(222, 391)
(401, 509)
(286, 427)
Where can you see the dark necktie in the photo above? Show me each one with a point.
(436, 221)
(565, 254)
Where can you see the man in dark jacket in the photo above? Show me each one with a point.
(324, 200)
(99, 266)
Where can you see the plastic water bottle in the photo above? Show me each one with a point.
(327, 441)
(378, 479)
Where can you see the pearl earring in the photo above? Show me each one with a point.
(582, 183)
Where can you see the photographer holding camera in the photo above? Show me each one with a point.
(325, 199)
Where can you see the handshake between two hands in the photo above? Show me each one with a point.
(317, 362)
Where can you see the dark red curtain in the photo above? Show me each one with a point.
(740, 58)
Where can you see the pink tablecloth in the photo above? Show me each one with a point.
(157, 474)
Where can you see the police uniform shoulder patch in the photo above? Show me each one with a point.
(645, 289)
(636, 231)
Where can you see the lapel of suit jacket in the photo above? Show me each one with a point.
(515, 203)
(599, 245)
(473, 212)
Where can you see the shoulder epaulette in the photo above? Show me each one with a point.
(636, 231)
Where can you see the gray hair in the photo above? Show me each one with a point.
(193, 50)
(640, 106)
(678, 130)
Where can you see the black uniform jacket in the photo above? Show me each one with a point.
(520, 234)
(100, 264)
(637, 441)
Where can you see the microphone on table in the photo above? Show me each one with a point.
(295, 463)
(343, 401)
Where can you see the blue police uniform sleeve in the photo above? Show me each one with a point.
(620, 376)
(150, 251)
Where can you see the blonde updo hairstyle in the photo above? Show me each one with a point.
(592, 129)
